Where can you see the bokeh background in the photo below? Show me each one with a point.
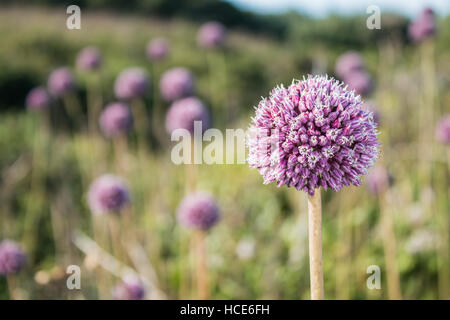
(258, 249)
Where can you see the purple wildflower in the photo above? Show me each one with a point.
(89, 59)
(182, 114)
(176, 83)
(443, 130)
(12, 257)
(378, 180)
(312, 134)
(131, 83)
(131, 288)
(37, 99)
(349, 62)
(198, 211)
(108, 194)
(116, 119)
(360, 81)
(371, 106)
(211, 35)
(157, 49)
(61, 82)
(423, 27)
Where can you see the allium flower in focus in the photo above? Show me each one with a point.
(423, 27)
(131, 83)
(157, 49)
(312, 134)
(61, 82)
(378, 180)
(131, 288)
(108, 194)
(349, 62)
(182, 114)
(211, 35)
(12, 257)
(443, 130)
(176, 83)
(37, 99)
(89, 59)
(198, 211)
(116, 119)
(360, 81)
(371, 106)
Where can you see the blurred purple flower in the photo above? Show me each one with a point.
(360, 81)
(349, 62)
(378, 180)
(182, 114)
(198, 211)
(116, 119)
(131, 83)
(108, 194)
(176, 83)
(423, 27)
(61, 82)
(211, 35)
(37, 99)
(157, 49)
(312, 134)
(89, 59)
(12, 257)
(131, 288)
(443, 130)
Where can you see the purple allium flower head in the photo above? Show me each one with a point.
(157, 49)
(360, 81)
(198, 211)
(443, 130)
(348, 62)
(378, 180)
(312, 134)
(116, 119)
(211, 35)
(89, 59)
(12, 257)
(61, 82)
(131, 288)
(182, 114)
(131, 83)
(108, 193)
(423, 27)
(37, 99)
(371, 106)
(176, 83)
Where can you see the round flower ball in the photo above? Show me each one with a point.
(198, 211)
(176, 83)
(116, 119)
(37, 99)
(349, 62)
(61, 82)
(312, 134)
(378, 180)
(443, 130)
(371, 106)
(131, 288)
(423, 27)
(211, 35)
(108, 194)
(12, 257)
(157, 49)
(183, 113)
(89, 59)
(131, 83)
(360, 81)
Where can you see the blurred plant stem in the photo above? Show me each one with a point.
(73, 109)
(343, 252)
(390, 249)
(201, 266)
(95, 102)
(11, 281)
(140, 120)
(120, 145)
(157, 117)
(191, 169)
(315, 245)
